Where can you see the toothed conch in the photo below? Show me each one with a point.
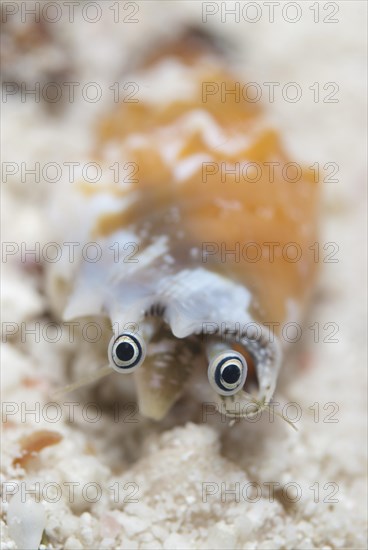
(202, 238)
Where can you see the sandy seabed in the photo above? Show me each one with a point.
(126, 482)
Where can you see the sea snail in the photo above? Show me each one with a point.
(213, 240)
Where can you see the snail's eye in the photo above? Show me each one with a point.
(127, 352)
(227, 372)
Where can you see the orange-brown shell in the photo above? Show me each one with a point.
(192, 219)
(215, 207)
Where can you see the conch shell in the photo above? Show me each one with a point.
(212, 236)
